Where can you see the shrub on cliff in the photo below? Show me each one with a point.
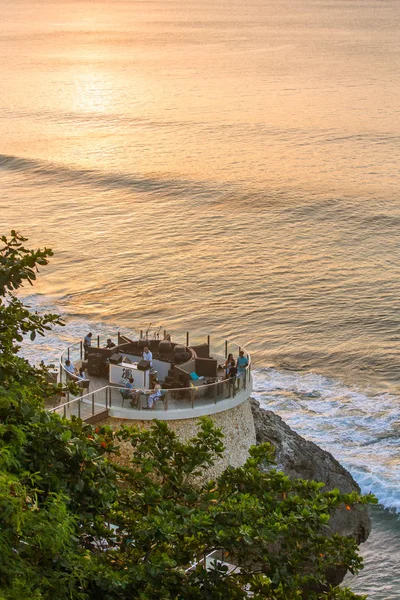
(76, 525)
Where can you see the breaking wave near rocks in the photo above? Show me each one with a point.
(362, 431)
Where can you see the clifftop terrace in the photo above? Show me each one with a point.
(183, 379)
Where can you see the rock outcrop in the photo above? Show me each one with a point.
(299, 458)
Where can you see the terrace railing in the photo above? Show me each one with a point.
(198, 395)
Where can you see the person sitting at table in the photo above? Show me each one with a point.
(70, 367)
(110, 344)
(81, 373)
(157, 393)
(126, 392)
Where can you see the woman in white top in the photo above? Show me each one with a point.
(151, 400)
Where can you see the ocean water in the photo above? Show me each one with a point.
(229, 168)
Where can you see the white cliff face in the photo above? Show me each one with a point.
(237, 425)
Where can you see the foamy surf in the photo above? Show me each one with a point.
(361, 431)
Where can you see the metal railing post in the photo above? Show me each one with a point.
(81, 349)
(208, 340)
(187, 338)
(92, 404)
(79, 410)
(68, 352)
(98, 341)
(226, 348)
(65, 411)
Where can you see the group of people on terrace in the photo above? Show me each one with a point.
(233, 370)
(236, 368)
(128, 392)
(133, 395)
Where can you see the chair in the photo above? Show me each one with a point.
(162, 395)
(126, 394)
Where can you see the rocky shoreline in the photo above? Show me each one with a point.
(299, 458)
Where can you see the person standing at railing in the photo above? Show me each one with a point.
(110, 344)
(87, 342)
(232, 374)
(228, 364)
(242, 363)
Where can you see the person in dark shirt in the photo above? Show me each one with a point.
(127, 391)
(232, 374)
(87, 342)
(110, 344)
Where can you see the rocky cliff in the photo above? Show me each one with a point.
(297, 457)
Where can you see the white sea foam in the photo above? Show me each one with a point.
(362, 431)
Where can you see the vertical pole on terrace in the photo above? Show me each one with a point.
(106, 398)
(92, 404)
(79, 409)
(187, 338)
(68, 352)
(65, 410)
(208, 341)
(166, 400)
(98, 341)
(80, 348)
(141, 333)
(226, 348)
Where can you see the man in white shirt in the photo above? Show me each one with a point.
(147, 355)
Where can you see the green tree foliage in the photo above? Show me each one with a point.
(75, 524)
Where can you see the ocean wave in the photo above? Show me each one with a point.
(362, 431)
(73, 175)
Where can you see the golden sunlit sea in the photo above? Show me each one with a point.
(232, 168)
